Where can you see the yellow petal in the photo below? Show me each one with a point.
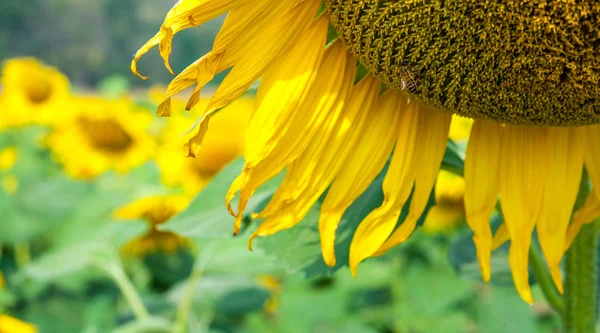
(565, 164)
(397, 185)
(186, 79)
(501, 236)
(588, 213)
(430, 147)
(267, 47)
(235, 39)
(305, 175)
(269, 138)
(481, 191)
(185, 14)
(13, 325)
(522, 178)
(590, 210)
(365, 163)
(342, 139)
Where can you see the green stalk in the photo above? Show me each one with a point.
(185, 306)
(544, 279)
(131, 295)
(580, 283)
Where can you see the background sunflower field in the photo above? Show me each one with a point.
(107, 226)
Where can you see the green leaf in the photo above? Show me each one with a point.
(242, 301)
(453, 162)
(151, 325)
(225, 292)
(81, 255)
(299, 247)
(233, 257)
(207, 217)
(502, 310)
(114, 86)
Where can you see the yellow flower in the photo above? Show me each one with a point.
(274, 286)
(102, 135)
(449, 210)
(223, 143)
(156, 210)
(535, 98)
(13, 325)
(8, 158)
(10, 184)
(33, 93)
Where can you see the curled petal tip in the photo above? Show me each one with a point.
(134, 69)
(237, 226)
(251, 240)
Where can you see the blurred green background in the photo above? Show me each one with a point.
(91, 39)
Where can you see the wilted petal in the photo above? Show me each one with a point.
(185, 14)
(269, 126)
(267, 46)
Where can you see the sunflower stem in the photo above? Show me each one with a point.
(131, 295)
(185, 306)
(580, 282)
(543, 278)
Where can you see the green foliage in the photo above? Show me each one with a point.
(65, 271)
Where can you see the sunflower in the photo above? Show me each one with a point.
(10, 324)
(155, 210)
(102, 135)
(33, 93)
(218, 149)
(527, 72)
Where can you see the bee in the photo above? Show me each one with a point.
(408, 79)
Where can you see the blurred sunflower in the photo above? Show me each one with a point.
(8, 158)
(155, 210)
(33, 93)
(102, 135)
(274, 286)
(449, 210)
(529, 75)
(221, 145)
(10, 324)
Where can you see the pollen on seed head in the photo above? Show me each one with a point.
(518, 62)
